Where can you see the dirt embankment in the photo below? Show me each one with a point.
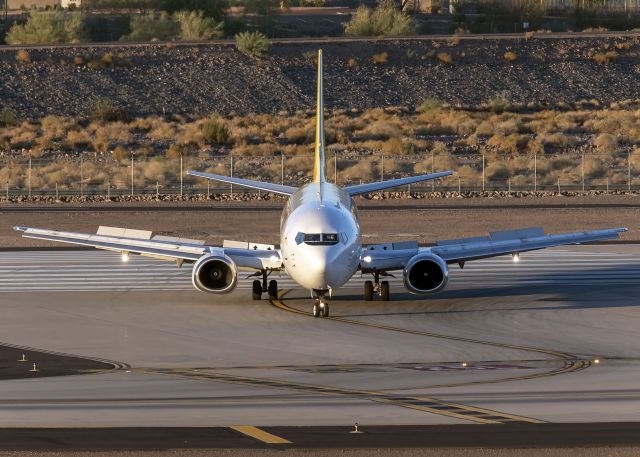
(217, 78)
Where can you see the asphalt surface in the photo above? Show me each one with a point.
(27, 363)
(541, 353)
(434, 436)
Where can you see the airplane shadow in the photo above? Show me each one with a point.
(547, 295)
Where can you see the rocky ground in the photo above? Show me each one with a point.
(217, 78)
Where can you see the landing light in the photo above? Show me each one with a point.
(516, 257)
(273, 258)
(367, 258)
(125, 256)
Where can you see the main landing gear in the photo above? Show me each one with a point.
(376, 286)
(259, 287)
(321, 307)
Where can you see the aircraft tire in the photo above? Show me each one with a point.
(273, 289)
(368, 290)
(316, 311)
(256, 290)
(384, 291)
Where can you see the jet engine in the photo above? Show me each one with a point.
(425, 274)
(216, 274)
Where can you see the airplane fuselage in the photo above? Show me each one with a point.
(320, 237)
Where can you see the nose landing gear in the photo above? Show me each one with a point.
(321, 307)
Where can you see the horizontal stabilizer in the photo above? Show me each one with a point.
(376, 186)
(266, 186)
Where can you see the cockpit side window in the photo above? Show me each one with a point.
(317, 239)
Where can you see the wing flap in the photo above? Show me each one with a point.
(515, 241)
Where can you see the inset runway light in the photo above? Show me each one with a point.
(367, 258)
(596, 361)
(355, 429)
(464, 364)
(516, 257)
(125, 257)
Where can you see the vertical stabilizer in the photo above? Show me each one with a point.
(318, 166)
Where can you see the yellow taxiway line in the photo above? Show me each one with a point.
(259, 434)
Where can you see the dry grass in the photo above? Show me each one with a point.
(23, 56)
(510, 56)
(380, 59)
(604, 58)
(445, 57)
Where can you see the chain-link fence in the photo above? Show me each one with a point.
(137, 175)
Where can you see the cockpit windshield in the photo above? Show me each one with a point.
(320, 238)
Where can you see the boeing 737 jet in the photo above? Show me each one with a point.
(320, 241)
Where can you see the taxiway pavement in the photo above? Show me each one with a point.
(553, 338)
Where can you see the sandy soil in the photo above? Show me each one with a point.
(259, 222)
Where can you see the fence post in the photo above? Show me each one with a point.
(559, 185)
(629, 171)
(208, 189)
(482, 172)
(29, 181)
(433, 184)
(382, 169)
(157, 190)
(535, 172)
(7, 189)
(459, 187)
(81, 175)
(231, 171)
(335, 167)
(57, 195)
(282, 169)
(108, 189)
(132, 175)
(509, 184)
(582, 171)
(607, 184)
(181, 174)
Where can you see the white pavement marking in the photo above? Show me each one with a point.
(34, 271)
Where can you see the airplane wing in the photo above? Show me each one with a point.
(266, 186)
(129, 241)
(395, 256)
(381, 185)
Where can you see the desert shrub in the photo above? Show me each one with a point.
(499, 103)
(194, 25)
(384, 20)
(298, 135)
(105, 111)
(380, 59)
(152, 26)
(23, 56)
(510, 56)
(529, 35)
(253, 44)
(78, 61)
(510, 144)
(78, 139)
(429, 104)
(557, 141)
(484, 129)
(215, 130)
(606, 143)
(363, 170)
(498, 171)
(605, 57)
(454, 40)
(212, 8)
(45, 27)
(445, 58)
(8, 117)
(594, 167)
(352, 63)
(120, 153)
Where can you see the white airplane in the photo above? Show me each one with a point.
(320, 241)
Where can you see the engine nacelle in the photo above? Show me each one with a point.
(425, 274)
(216, 274)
